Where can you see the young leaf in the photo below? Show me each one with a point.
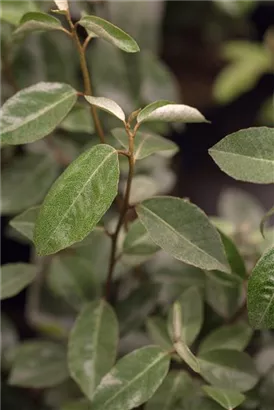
(156, 328)
(146, 144)
(61, 4)
(260, 294)
(38, 365)
(37, 21)
(77, 200)
(24, 223)
(25, 182)
(107, 105)
(247, 155)
(185, 353)
(109, 32)
(15, 277)
(124, 388)
(34, 112)
(183, 230)
(171, 392)
(138, 246)
(228, 369)
(191, 305)
(92, 345)
(235, 337)
(265, 218)
(168, 111)
(229, 399)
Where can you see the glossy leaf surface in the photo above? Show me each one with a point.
(15, 277)
(35, 111)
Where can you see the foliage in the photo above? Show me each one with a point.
(122, 278)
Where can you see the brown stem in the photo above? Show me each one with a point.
(113, 259)
(86, 78)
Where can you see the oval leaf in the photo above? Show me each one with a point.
(107, 105)
(15, 277)
(109, 32)
(228, 369)
(39, 364)
(168, 111)
(183, 230)
(34, 112)
(236, 337)
(229, 399)
(92, 345)
(171, 392)
(185, 353)
(36, 21)
(145, 143)
(124, 388)
(191, 305)
(247, 155)
(77, 200)
(24, 223)
(260, 294)
(25, 182)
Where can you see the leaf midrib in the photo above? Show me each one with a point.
(261, 159)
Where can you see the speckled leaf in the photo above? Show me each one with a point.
(109, 32)
(168, 111)
(15, 277)
(24, 223)
(77, 200)
(183, 230)
(191, 315)
(235, 336)
(247, 155)
(133, 380)
(227, 398)
(34, 112)
(37, 21)
(146, 143)
(260, 294)
(107, 105)
(39, 364)
(228, 369)
(92, 345)
(171, 392)
(25, 182)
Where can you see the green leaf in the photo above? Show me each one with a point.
(9, 340)
(92, 345)
(15, 277)
(77, 200)
(235, 336)
(228, 369)
(168, 111)
(107, 105)
(260, 294)
(81, 404)
(12, 11)
(24, 223)
(247, 155)
(157, 331)
(25, 182)
(191, 304)
(34, 112)
(37, 21)
(72, 278)
(145, 143)
(62, 4)
(171, 391)
(133, 310)
(234, 258)
(183, 230)
(265, 218)
(185, 353)
(38, 365)
(229, 399)
(109, 32)
(138, 246)
(124, 388)
(78, 120)
(223, 299)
